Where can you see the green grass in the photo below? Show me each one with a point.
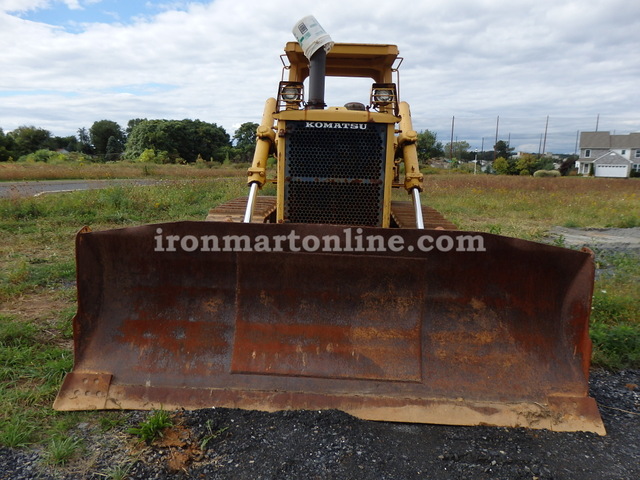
(18, 171)
(32, 366)
(118, 472)
(37, 292)
(37, 272)
(615, 317)
(61, 449)
(110, 420)
(212, 435)
(526, 207)
(17, 432)
(152, 427)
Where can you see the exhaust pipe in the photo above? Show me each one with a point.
(317, 74)
(315, 43)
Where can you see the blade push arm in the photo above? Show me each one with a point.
(265, 141)
(407, 140)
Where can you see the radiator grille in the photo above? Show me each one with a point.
(335, 173)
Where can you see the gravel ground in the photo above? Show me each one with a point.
(599, 239)
(236, 444)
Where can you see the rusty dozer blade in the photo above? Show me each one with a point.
(427, 326)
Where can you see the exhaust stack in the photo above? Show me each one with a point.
(315, 43)
(317, 70)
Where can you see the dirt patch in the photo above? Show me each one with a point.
(43, 306)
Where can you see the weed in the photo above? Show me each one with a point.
(609, 307)
(571, 224)
(615, 316)
(21, 209)
(616, 346)
(14, 334)
(560, 241)
(61, 449)
(87, 170)
(56, 367)
(495, 229)
(118, 198)
(212, 435)
(152, 428)
(118, 472)
(16, 432)
(111, 420)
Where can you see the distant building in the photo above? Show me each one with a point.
(606, 155)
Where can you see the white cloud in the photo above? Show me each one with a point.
(28, 5)
(219, 61)
(22, 5)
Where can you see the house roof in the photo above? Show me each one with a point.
(611, 158)
(626, 141)
(599, 140)
(595, 140)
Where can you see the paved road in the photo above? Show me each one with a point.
(34, 188)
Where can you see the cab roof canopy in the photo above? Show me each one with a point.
(347, 60)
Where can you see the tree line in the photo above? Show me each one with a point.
(160, 141)
(501, 159)
(189, 141)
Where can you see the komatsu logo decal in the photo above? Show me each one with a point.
(361, 126)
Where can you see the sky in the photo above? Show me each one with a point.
(515, 67)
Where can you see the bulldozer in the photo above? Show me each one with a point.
(333, 294)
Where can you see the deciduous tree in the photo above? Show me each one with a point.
(457, 149)
(503, 149)
(244, 141)
(84, 141)
(100, 133)
(504, 166)
(183, 140)
(6, 147)
(28, 139)
(428, 146)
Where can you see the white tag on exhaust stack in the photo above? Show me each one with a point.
(311, 36)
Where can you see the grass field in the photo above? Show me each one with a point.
(37, 293)
(17, 171)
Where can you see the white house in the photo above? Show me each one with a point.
(606, 155)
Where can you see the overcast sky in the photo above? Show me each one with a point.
(65, 64)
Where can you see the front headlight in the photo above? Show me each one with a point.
(383, 94)
(291, 92)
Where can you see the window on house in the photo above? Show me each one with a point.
(587, 153)
(623, 152)
(638, 153)
(636, 167)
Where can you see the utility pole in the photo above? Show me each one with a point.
(494, 143)
(544, 145)
(540, 146)
(453, 119)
